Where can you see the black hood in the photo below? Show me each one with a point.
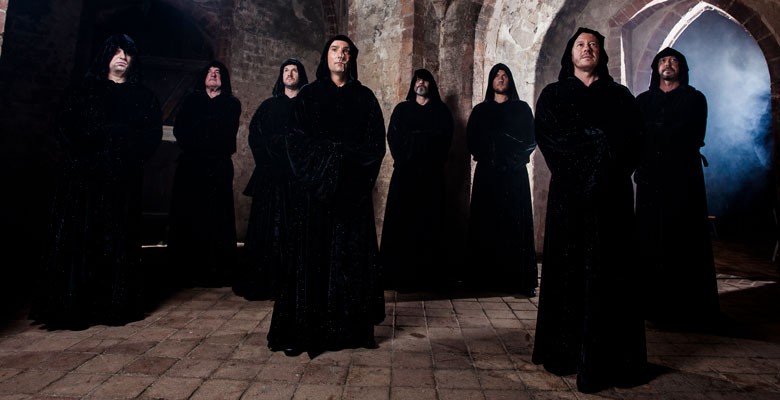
(655, 77)
(278, 89)
(323, 72)
(99, 68)
(224, 76)
(490, 94)
(433, 89)
(567, 66)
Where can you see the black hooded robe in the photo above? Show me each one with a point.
(419, 137)
(589, 320)
(674, 236)
(332, 297)
(500, 136)
(267, 243)
(91, 270)
(202, 237)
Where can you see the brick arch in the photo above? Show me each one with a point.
(332, 17)
(636, 12)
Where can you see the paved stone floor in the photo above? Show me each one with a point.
(210, 344)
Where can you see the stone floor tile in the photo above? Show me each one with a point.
(172, 388)
(323, 374)
(269, 391)
(368, 376)
(29, 381)
(436, 322)
(106, 363)
(153, 333)
(220, 389)
(461, 394)
(67, 361)
(121, 387)
(488, 346)
(444, 360)
(149, 365)
(287, 373)
(340, 358)
(371, 358)
(94, 345)
(75, 384)
(555, 395)
(500, 379)
(318, 392)
(492, 361)
(417, 378)
(56, 342)
(130, 347)
(173, 348)
(23, 359)
(542, 380)
(193, 368)
(412, 360)
(407, 393)
(505, 323)
(366, 393)
(6, 373)
(472, 321)
(229, 337)
(456, 378)
(211, 351)
(238, 369)
(499, 394)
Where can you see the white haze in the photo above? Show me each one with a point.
(727, 66)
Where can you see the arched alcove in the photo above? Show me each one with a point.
(741, 200)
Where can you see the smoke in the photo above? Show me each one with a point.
(727, 66)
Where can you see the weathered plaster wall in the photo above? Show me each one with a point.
(376, 34)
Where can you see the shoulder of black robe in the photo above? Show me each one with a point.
(420, 132)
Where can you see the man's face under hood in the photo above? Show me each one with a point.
(338, 56)
(669, 68)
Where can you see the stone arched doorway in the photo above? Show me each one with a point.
(644, 32)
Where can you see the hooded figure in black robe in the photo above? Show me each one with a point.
(419, 136)
(107, 130)
(589, 320)
(272, 190)
(332, 297)
(500, 136)
(202, 236)
(671, 209)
